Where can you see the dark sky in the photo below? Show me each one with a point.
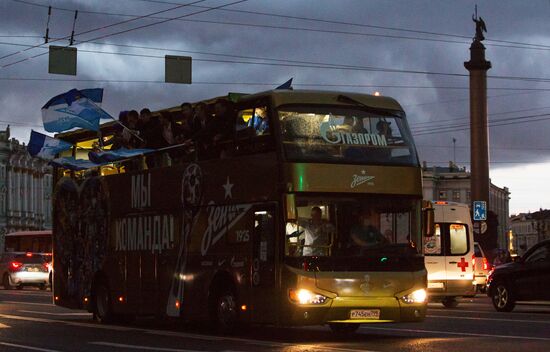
(437, 106)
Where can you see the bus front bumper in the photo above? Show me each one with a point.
(358, 310)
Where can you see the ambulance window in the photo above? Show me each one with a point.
(458, 239)
(432, 245)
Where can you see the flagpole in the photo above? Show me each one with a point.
(117, 121)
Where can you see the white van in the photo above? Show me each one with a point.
(449, 254)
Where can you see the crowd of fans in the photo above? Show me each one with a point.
(200, 128)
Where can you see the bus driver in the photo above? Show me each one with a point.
(318, 234)
(366, 232)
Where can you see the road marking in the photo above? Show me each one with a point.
(59, 314)
(491, 319)
(458, 333)
(27, 347)
(175, 333)
(135, 347)
(27, 293)
(530, 313)
(29, 303)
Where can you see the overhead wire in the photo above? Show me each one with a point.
(454, 119)
(307, 64)
(358, 24)
(519, 45)
(135, 28)
(465, 128)
(104, 27)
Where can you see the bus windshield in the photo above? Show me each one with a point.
(354, 227)
(345, 135)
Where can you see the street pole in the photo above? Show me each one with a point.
(479, 137)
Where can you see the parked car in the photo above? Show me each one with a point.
(27, 269)
(481, 268)
(526, 279)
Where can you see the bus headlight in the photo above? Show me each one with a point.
(418, 296)
(302, 296)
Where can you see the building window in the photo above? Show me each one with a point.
(467, 196)
(443, 195)
(456, 195)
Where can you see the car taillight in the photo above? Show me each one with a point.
(47, 266)
(474, 262)
(15, 266)
(485, 264)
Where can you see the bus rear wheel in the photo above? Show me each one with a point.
(103, 307)
(224, 311)
(343, 328)
(450, 302)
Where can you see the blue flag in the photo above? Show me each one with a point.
(46, 147)
(115, 155)
(73, 164)
(75, 108)
(286, 85)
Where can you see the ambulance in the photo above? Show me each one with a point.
(449, 254)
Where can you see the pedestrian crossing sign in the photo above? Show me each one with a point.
(480, 210)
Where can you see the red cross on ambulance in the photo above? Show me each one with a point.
(462, 264)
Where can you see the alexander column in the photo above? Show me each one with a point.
(479, 138)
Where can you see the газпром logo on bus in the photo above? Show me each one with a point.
(339, 137)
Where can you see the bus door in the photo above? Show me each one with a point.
(263, 277)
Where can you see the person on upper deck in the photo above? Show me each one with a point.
(169, 129)
(221, 124)
(130, 134)
(187, 132)
(259, 121)
(149, 129)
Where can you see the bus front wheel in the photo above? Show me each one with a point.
(224, 311)
(343, 328)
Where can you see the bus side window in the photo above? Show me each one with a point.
(241, 124)
(253, 130)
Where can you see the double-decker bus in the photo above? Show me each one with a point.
(314, 218)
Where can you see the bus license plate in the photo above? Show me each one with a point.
(365, 314)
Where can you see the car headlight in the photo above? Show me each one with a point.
(418, 296)
(302, 296)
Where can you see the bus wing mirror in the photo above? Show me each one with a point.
(428, 228)
(290, 205)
